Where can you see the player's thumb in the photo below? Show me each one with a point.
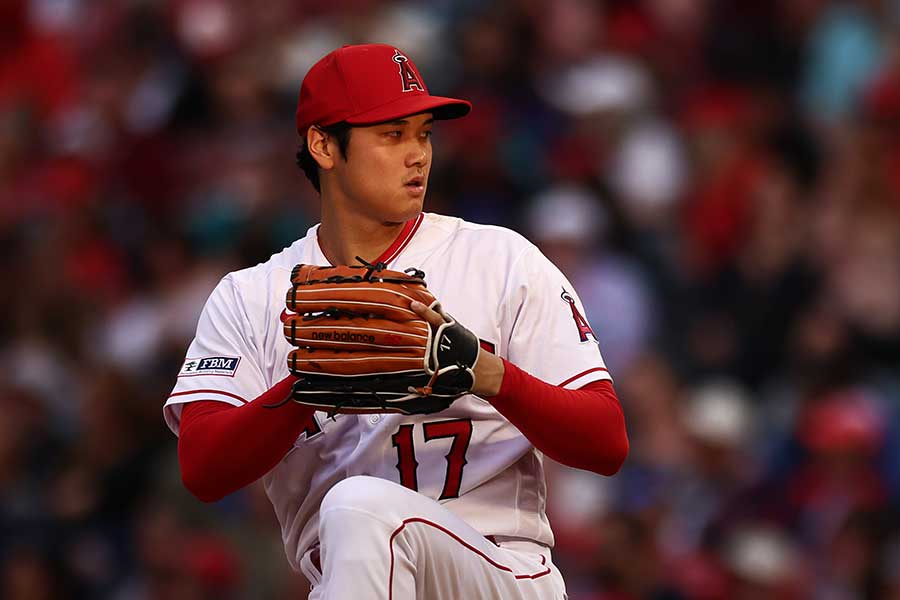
(430, 316)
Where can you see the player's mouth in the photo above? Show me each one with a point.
(415, 185)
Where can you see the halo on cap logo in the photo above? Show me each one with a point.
(408, 77)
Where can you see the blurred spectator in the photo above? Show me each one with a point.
(567, 223)
(626, 564)
(721, 427)
(29, 574)
(844, 53)
(763, 563)
(842, 433)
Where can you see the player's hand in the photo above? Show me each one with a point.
(488, 367)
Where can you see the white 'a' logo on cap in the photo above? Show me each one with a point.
(407, 76)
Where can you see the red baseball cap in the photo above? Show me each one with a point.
(368, 84)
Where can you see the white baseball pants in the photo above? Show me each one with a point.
(380, 540)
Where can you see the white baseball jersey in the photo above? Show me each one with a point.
(467, 457)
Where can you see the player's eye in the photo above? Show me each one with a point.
(396, 133)
(427, 134)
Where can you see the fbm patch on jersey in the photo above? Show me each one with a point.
(211, 365)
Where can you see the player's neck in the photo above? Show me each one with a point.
(344, 236)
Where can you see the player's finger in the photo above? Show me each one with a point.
(431, 317)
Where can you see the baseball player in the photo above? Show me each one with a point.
(446, 505)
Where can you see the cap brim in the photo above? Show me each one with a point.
(440, 107)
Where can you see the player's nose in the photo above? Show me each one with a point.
(417, 156)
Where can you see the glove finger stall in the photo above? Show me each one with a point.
(390, 302)
(332, 362)
(311, 274)
(355, 333)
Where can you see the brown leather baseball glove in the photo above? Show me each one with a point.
(359, 348)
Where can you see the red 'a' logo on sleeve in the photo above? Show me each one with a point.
(407, 74)
(583, 328)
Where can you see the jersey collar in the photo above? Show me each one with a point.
(397, 246)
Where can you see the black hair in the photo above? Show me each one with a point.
(341, 133)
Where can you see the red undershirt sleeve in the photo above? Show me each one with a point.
(582, 428)
(223, 448)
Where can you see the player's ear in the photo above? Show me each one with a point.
(322, 147)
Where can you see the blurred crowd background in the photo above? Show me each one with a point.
(720, 179)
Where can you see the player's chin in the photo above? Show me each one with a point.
(409, 205)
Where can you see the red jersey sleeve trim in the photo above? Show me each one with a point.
(214, 392)
(582, 374)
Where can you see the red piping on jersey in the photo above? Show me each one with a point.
(220, 392)
(489, 560)
(582, 428)
(402, 241)
(582, 374)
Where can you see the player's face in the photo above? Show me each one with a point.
(386, 172)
